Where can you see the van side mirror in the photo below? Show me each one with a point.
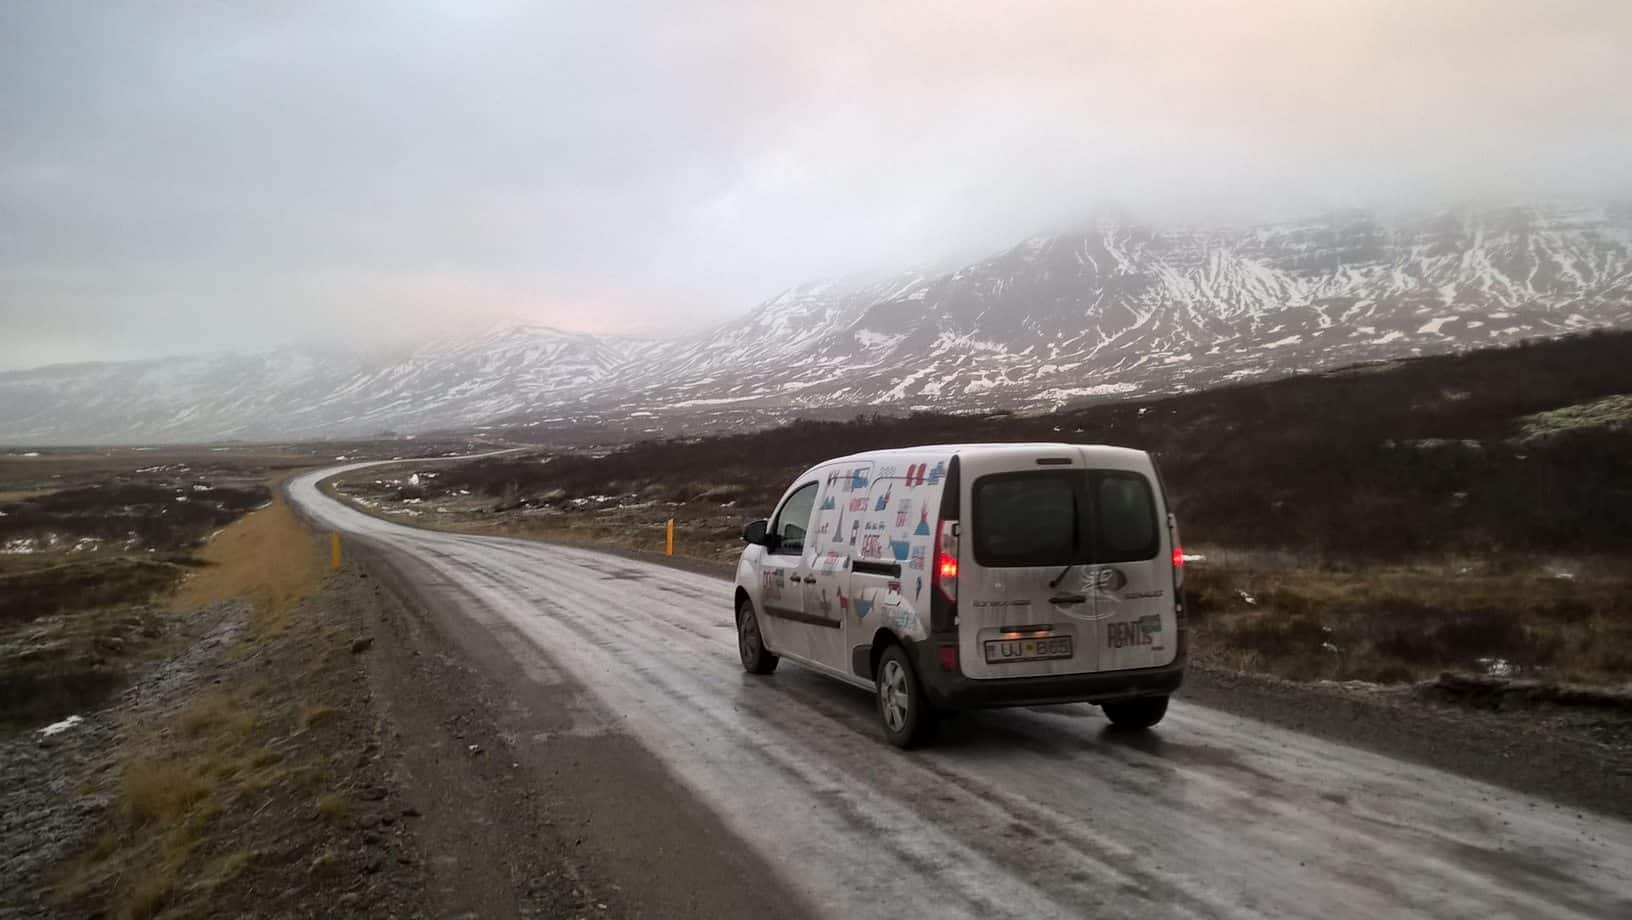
(754, 533)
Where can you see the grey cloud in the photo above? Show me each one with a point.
(189, 176)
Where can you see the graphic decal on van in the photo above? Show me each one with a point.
(923, 522)
(1138, 632)
(903, 620)
(872, 546)
(920, 474)
(770, 581)
(903, 511)
(918, 591)
(855, 531)
(863, 607)
(828, 503)
(899, 549)
(920, 555)
(884, 500)
(858, 480)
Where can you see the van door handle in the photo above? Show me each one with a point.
(809, 579)
(1066, 599)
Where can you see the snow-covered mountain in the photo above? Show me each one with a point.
(1114, 308)
(304, 392)
(1119, 308)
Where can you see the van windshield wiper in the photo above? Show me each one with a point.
(1076, 540)
(1061, 577)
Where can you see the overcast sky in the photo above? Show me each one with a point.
(178, 177)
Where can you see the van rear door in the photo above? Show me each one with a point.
(1065, 566)
(1022, 609)
(1132, 576)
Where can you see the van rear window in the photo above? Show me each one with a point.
(1063, 517)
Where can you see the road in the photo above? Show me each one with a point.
(1018, 813)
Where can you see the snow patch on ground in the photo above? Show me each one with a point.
(720, 401)
(57, 728)
(875, 341)
(1098, 389)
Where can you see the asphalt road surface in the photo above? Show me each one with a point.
(1029, 813)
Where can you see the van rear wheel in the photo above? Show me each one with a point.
(902, 706)
(1136, 714)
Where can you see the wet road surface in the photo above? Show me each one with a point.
(1037, 812)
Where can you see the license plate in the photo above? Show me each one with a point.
(1000, 651)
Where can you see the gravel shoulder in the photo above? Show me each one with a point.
(533, 803)
(1564, 756)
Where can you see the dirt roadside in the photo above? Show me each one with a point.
(533, 803)
(323, 743)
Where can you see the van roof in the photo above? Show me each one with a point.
(951, 449)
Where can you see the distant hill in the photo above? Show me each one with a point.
(1113, 309)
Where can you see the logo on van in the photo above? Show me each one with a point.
(1107, 580)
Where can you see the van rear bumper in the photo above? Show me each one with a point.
(952, 690)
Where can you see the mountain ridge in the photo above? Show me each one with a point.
(1113, 308)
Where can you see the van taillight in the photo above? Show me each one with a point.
(1178, 553)
(945, 574)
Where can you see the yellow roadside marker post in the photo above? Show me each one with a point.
(334, 549)
(668, 542)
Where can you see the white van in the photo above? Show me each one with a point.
(972, 575)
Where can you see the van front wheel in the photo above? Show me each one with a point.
(902, 707)
(1136, 714)
(756, 658)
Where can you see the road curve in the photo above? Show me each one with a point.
(1028, 813)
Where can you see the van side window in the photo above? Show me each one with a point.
(793, 521)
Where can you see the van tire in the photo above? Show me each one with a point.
(756, 658)
(1136, 714)
(903, 708)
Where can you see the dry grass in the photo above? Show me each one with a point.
(219, 714)
(162, 791)
(227, 867)
(267, 556)
(313, 715)
(216, 757)
(332, 807)
(1398, 624)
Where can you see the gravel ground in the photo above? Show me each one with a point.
(54, 788)
(1573, 756)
